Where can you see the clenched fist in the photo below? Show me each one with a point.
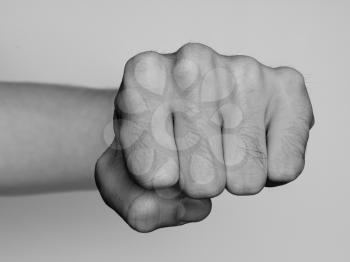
(195, 122)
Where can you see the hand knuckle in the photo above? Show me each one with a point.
(197, 190)
(141, 65)
(284, 172)
(244, 189)
(247, 184)
(143, 214)
(148, 57)
(196, 52)
(193, 48)
(290, 78)
(247, 71)
(185, 73)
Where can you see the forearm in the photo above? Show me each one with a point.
(50, 136)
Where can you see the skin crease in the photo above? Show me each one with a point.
(196, 121)
(222, 121)
(51, 136)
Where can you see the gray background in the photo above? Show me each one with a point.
(88, 42)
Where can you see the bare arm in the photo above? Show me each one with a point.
(51, 136)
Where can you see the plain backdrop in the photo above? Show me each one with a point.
(88, 42)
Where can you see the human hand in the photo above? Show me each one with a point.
(144, 210)
(195, 122)
(206, 121)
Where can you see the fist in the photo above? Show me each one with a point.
(202, 122)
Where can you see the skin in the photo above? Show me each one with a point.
(186, 125)
(197, 122)
(51, 136)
